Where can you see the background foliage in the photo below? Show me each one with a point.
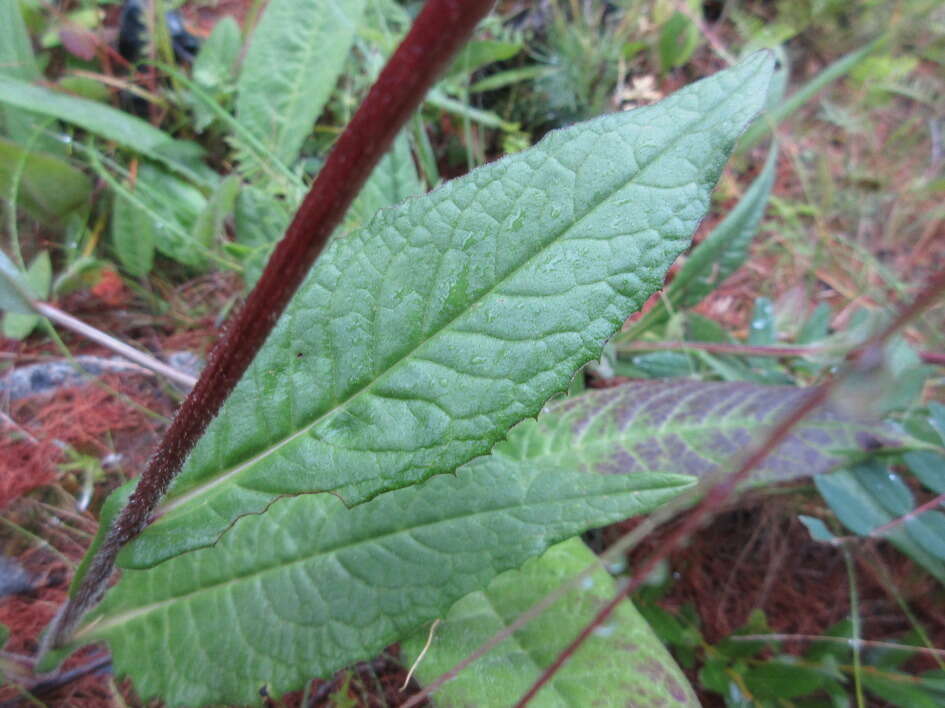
(144, 196)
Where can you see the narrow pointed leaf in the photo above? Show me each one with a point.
(691, 427)
(785, 109)
(416, 342)
(294, 60)
(726, 248)
(312, 586)
(623, 663)
(109, 123)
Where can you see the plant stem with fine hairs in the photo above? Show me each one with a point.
(439, 31)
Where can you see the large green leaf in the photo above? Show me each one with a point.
(311, 586)
(691, 427)
(294, 60)
(48, 186)
(622, 663)
(109, 123)
(416, 342)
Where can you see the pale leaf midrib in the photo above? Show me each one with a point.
(166, 509)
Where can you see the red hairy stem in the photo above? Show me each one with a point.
(439, 31)
(863, 359)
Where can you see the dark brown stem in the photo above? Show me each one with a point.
(439, 31)
(864, 358)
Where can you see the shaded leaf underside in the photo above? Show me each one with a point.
(697, 428)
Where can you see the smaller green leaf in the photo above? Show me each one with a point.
(937, 419)
(17, 61)
(622, 662)
(260, 218)
(860, 511)
(215, 64)
(902, 690)
(725, 250)
(295, 56)
(480, 52)
(502, 79)
(817, 528)
(168, 209)
(210, 222)
(16, 295)
(928, 531)
(762, 331)
(779, 679)
(133, 237)
(714, 676)
(886, 487)
(776, 115)
(48, 187)
(39, 276)
(679, 38)
(852, 502)
(817, 326)
(928, 467)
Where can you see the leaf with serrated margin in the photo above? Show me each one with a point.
(294, 59)
(692, 427)
(415, 343)
(622, 663)
(312, 586)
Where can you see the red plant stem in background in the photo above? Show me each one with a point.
(864, 358)
(439, 31)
